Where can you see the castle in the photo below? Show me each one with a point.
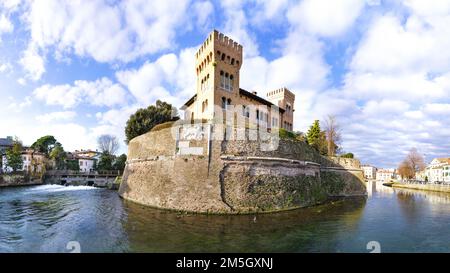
(218, 62)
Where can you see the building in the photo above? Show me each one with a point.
(385, 175)
(218, 93)
(438, 170)
(33, 162)
(87, 164)
(5, 143)
(87, 159)
(370, 172)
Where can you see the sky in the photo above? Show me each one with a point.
(78, 69)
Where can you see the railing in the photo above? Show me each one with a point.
(80, 173)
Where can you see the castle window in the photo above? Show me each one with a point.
(232, 61)
(223, 57)
(227, 81)
(224, 103)
(222, 79)
(228, 103)
(237, 62)
(231, 82)
(228, 59)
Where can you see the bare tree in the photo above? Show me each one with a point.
(405, 171)
(415, 160)
(412, 164)
(108, 144)
(333, 134)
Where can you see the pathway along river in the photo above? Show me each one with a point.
(45, 218)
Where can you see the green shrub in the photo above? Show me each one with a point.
(347, 155)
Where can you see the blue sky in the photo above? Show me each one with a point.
(78, 69)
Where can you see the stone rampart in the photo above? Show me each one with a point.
(188, 169)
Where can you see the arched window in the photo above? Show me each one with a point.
(222, 79)
(224, 103)
(237, 62)
(227, 81)
(232, 61)
(231, 82)
(228, 103)
(228, 59)
(223, 57)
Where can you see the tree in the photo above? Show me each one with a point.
(313, 135)
(405, 171)
(73, 165)
(14, 156)
(415, 160)
(412, 164)
(316, 138)
(333, 134)
(45, 144)
(108, 144)
(119, 162)
(145, 119)
(348, 155)
(106, 161)
(58, 155)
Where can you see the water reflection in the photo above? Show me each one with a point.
(46, 218)
(280, 232)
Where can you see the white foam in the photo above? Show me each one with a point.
(59, 188)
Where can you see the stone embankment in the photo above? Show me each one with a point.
(15, 180)
(423, 187)
(186, 168)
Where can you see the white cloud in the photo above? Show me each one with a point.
(102, 92)
(56, 116)
(19, 106)
(204, 10)
(10, 5)
(5, 25)
(325, 18)
(147, 83)
(105, 32)
(33, 63)
(5, 67)
(236, 26)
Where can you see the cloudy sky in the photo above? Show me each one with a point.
(78, 69)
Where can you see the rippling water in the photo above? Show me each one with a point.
(45, 218)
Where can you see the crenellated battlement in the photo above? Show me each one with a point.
(220, 39)
(281, 91)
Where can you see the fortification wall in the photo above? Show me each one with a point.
(189, 170)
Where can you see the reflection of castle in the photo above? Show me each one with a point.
(218, 62)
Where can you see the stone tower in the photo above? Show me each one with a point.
(285, 99)
(217, 65)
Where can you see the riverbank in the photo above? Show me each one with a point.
(424, 187)
(18, 180)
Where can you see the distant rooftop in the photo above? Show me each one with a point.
(6, 141)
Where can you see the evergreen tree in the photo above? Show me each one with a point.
(145, 119)
(119, 162)
(316, 138)
(313, 135)
(106, 162)
(59, 156)
(45, 144)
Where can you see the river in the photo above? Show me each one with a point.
(46, 218)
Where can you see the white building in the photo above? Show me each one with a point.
(87, 164)
(385, 175)
(370, 172)
(438, 170)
